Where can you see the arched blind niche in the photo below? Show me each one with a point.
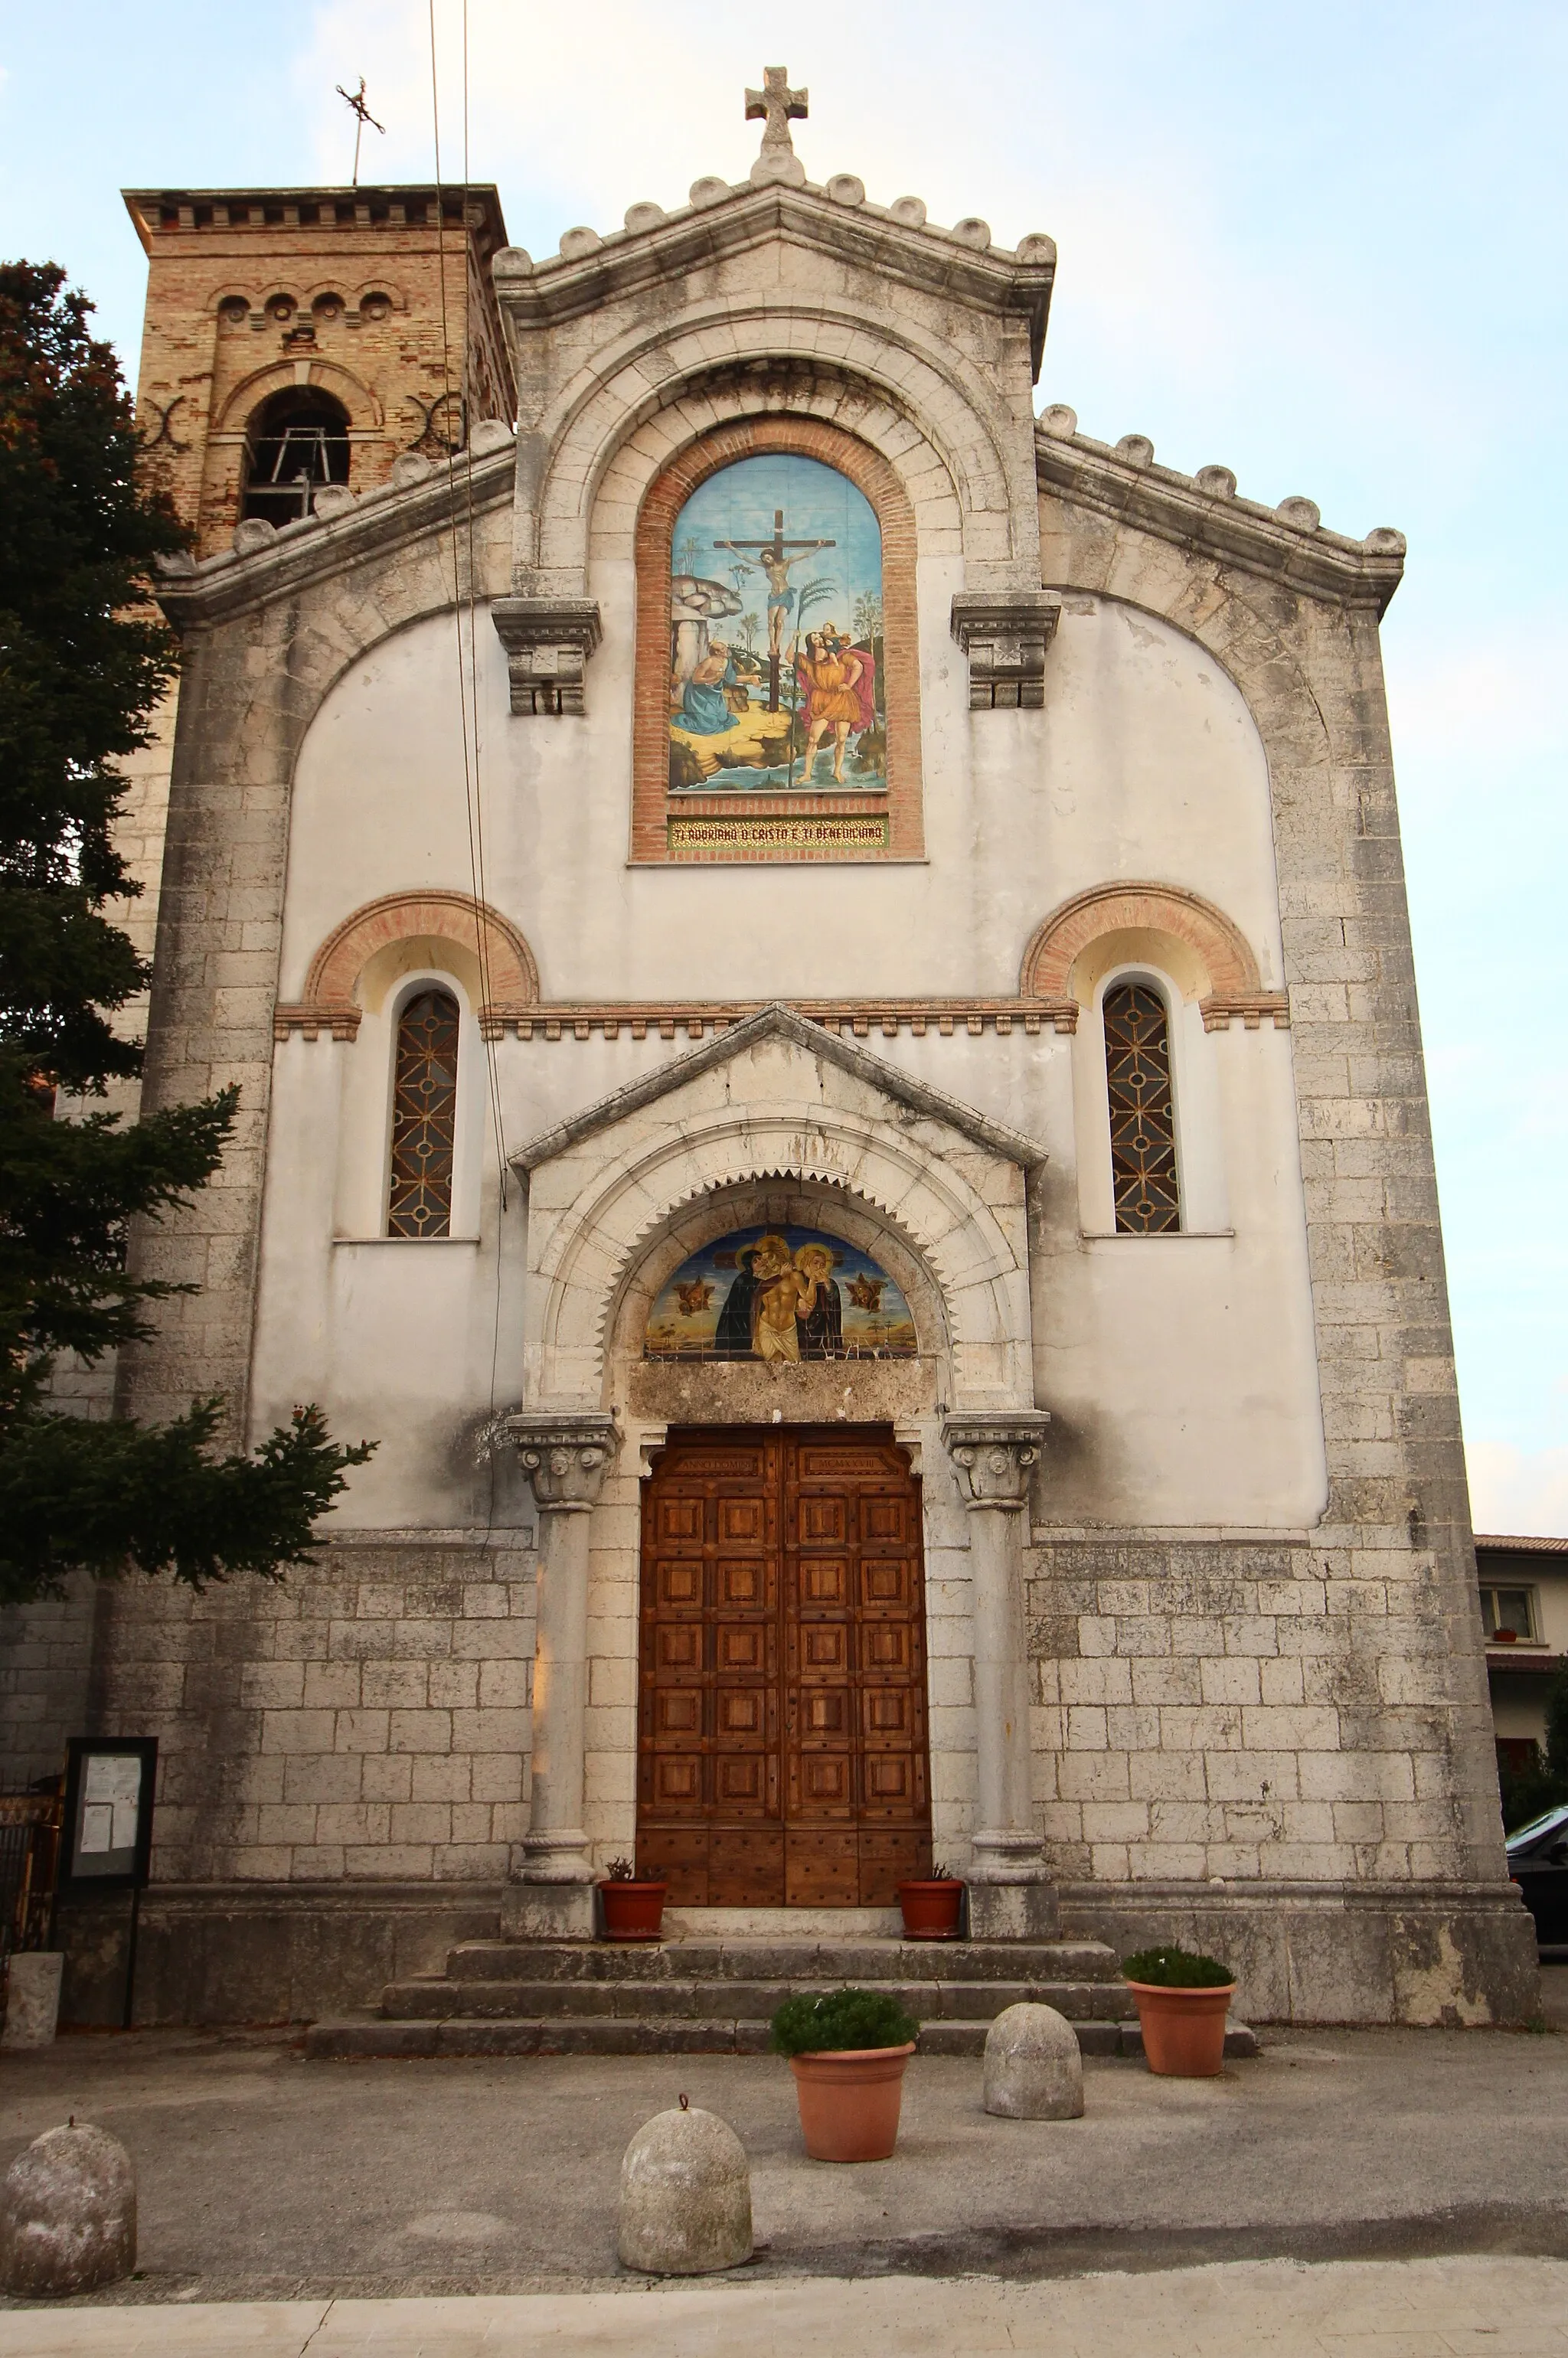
(424, 1117)
(1143, 1117)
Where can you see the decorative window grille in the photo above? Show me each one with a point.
(424, 1117)
(1142, 1119)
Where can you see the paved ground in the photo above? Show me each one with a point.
(263, 2177)
(1412, 2308)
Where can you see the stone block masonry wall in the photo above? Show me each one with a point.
(367, 1718)
(45, 1650)
(1227, 1710)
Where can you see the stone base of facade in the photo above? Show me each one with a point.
(1422, 1953)
(1013, 1912)
(1456, 1954)
(549, 1911)
(261, 1952)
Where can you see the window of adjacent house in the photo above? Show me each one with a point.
(297, 442)
(424, 1117)
(1511, 1609)
(1142, 1118)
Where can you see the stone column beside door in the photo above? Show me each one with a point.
(565, 1458)
(1010, 1895)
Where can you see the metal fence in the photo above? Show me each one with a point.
(29, 1846)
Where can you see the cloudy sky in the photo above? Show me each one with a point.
(1320, 245)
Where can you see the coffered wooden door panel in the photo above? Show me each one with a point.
(782, 1738)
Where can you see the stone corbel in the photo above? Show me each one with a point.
(548, 642)
(1005, 636)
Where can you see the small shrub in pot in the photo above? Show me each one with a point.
(1183, 1998)
(848, 2050)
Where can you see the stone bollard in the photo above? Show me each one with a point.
(32, 1997)
(67, 2214)
(686, 2196)
(1033, 2070)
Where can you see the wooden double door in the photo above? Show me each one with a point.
(782, 1738)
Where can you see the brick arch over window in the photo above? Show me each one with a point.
(506, 962)
(357, 397)
(867, 469)
(1233, 983)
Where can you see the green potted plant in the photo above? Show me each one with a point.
(848, 2050)
(932, 1905)
(1183, 1999)
(633, 1910)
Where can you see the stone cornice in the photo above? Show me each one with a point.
(1181, 509)
(317, 549)
(778, 1022)
(938, 261)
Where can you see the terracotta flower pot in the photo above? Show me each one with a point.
(632, 1911)
(1183, 2029)
(932, 1907)
(849, 2100)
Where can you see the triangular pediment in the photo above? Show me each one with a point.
(778, 1022)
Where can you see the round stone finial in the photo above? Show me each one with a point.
(972, 230)
(910, 211)
(489, 434)
(1033, 2071)
(254, 532)
(686, 2196)
(1137, 450)
(1060, 422)
(409, 467)
(709, 190)
(67, 2214)
(1217, 481)
(577, 243)
(1305, 515)
(646, 215)
(513, 262)
(1036, 247)
(846, 189)
(1386, 540)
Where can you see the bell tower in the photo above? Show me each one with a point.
(298, 337)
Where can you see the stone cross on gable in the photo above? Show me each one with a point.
(775, 106)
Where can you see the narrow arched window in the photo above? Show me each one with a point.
(1142, 1118)
(424, 1117)
(295, 443)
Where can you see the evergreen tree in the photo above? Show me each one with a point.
(83, 660)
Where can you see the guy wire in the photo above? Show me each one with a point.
(470, 766)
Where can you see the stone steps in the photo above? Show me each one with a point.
(436, 1998)
(705, 1995)
(369, 2037)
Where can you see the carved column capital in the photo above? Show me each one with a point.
(548, 642)
(566, 1457)
(1005, 637)
(993, 1451)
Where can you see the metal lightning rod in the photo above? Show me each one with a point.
(356, 100)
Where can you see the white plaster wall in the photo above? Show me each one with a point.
(1180, 1370)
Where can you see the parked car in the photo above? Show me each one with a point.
(1537, 1861)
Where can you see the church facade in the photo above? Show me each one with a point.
(818, 969)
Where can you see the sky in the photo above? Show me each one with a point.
(1322, 245)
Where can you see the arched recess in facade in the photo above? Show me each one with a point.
(972, 1271)
(614, 428)
(507, 967)
(1229, 981)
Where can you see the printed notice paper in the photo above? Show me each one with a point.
(111, 1789)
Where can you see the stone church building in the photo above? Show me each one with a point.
(819, 968)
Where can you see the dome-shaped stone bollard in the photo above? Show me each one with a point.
(1033, 2070)
(686, 2196)
(67, 2214)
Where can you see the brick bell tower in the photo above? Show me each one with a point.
(296, 337)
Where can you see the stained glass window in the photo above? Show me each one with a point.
(1142, 1120)
(424, 1117)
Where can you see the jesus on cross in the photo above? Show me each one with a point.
(773, 562)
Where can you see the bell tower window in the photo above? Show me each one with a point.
(297, 442)
(424, 1117)
(1143, 1117)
